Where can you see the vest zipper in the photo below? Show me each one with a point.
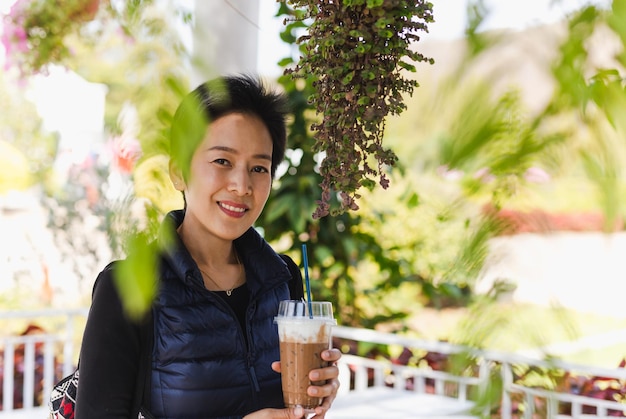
(247, 343)
(254, 379)
(252, 370)
(249, 352)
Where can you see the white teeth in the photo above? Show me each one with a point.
(234, 209)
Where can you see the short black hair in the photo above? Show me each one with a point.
(222, 96)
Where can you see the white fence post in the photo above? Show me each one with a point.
(507, 380)
(7, 384)
(29, 375)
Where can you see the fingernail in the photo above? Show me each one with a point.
(314, 391)
(298, 411)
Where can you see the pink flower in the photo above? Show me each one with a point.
(14, 37)
(126, 151)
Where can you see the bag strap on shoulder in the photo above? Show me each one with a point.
(296, 287)
(141, 398)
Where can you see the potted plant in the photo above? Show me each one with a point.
(356, 52)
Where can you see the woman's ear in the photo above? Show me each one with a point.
(176, 177)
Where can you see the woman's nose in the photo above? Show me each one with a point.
(240, 182)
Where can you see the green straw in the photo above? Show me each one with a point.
(306, 279)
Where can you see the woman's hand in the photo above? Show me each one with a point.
(330, 375)
(292, 413)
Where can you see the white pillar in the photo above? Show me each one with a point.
(225, 38)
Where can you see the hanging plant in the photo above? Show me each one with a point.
(355, 50)
(35, 30)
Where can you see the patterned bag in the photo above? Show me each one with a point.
(63, 397)
(62, 403)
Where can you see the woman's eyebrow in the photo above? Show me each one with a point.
(232, 150)
(222, 148)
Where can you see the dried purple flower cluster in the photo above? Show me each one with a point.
(355, 50)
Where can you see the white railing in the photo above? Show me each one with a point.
(41, 359)
(358, 373)
(30, 364)
(556, 398)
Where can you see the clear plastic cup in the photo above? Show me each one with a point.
(304, 331)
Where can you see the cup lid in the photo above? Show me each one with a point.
(319, 310)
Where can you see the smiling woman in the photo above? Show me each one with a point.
(219, 281)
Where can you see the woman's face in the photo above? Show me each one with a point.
(230, 177)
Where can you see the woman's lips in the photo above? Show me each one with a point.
(233, 209)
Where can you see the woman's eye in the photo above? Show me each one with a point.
(260, 169)
(221, 161)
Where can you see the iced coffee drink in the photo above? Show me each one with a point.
(304, 331)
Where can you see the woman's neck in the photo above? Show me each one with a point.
(207, 251)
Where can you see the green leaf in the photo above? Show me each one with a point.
(368, 183)
(285, 61)
(287, 37)
(277, 207)
(135, 278)
(413, 201)
(381, 23)
(386, 33)
(348, 78)
(298, 216)
(374, 3)
(407, 66)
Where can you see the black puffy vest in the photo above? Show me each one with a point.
(202, 366)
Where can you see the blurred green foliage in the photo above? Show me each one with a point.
(135, 50)
(462, 145)
(359, 261)
(466, 146)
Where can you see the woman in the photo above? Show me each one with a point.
(215, 344)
